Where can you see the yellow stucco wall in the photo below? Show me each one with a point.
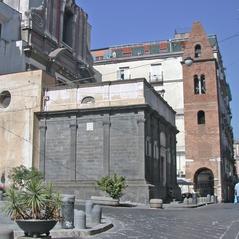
(17, 121)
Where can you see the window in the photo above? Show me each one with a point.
(123, 73)
(199, 85)
(156, 150)
(197, 51)
(88, 100)
(67, 27)
(156, 73)
(201, 117)
(5, 99)
(148, 147)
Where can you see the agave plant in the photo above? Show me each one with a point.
(29, 197)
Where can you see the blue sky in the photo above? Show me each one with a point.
(129, 21)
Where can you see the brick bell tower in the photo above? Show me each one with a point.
(201, 112)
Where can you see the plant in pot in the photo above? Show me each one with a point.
(31, 202)
(113, 185)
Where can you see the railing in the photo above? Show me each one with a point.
(156, 78)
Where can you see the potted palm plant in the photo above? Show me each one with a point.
(31, 202)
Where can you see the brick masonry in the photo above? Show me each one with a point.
(202, 141)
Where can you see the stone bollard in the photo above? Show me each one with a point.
(156, 203)
(68, 211)
(212, 199)
(194, 198)
(96, 214)
(88, 207)
(190, 201)
(185, 201)
(199, 200)
(80, 219)
(208, 198)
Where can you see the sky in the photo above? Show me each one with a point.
(116, 22)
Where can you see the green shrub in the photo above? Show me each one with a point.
(112, 185)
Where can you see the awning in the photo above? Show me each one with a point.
(183, 181)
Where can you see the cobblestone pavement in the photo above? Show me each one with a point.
(212, 221)
(219, 221)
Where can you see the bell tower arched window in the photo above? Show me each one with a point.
(201, 117)
(199, 85)
(197, 51)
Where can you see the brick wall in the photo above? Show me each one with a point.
(202, 141)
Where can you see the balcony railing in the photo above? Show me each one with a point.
(156, 78)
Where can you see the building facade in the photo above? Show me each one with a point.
(53, 36)
(188, 72)
(121, 127)
(77, 133)
(236, 156)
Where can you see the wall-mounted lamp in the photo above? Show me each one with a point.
(188, 61)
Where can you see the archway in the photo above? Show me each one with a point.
(204, 182)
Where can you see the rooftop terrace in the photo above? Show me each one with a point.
(175, 45)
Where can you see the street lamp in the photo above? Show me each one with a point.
(188, 61)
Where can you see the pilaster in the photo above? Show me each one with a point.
(106, 150)
(43, 128)
(73, 141)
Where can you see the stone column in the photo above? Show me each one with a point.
(156, 152)
(62, 10)
(43, 128)
(80, 34)
(106, 150)
(141, 144)
(159, 155)
(148, 153)
(174, 162)
(73, 142)
(74, 33)
(152, 148)
(168, 158)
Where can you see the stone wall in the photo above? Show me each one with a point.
(79, 147)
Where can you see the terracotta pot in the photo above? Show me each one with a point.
(35, 227)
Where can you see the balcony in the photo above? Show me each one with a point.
(156, 78)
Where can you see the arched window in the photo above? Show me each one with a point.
(67, 27)
(197, 51)
(201, 117)
(196, 84)
(203, 84)
(199, 85)
(88, 100)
